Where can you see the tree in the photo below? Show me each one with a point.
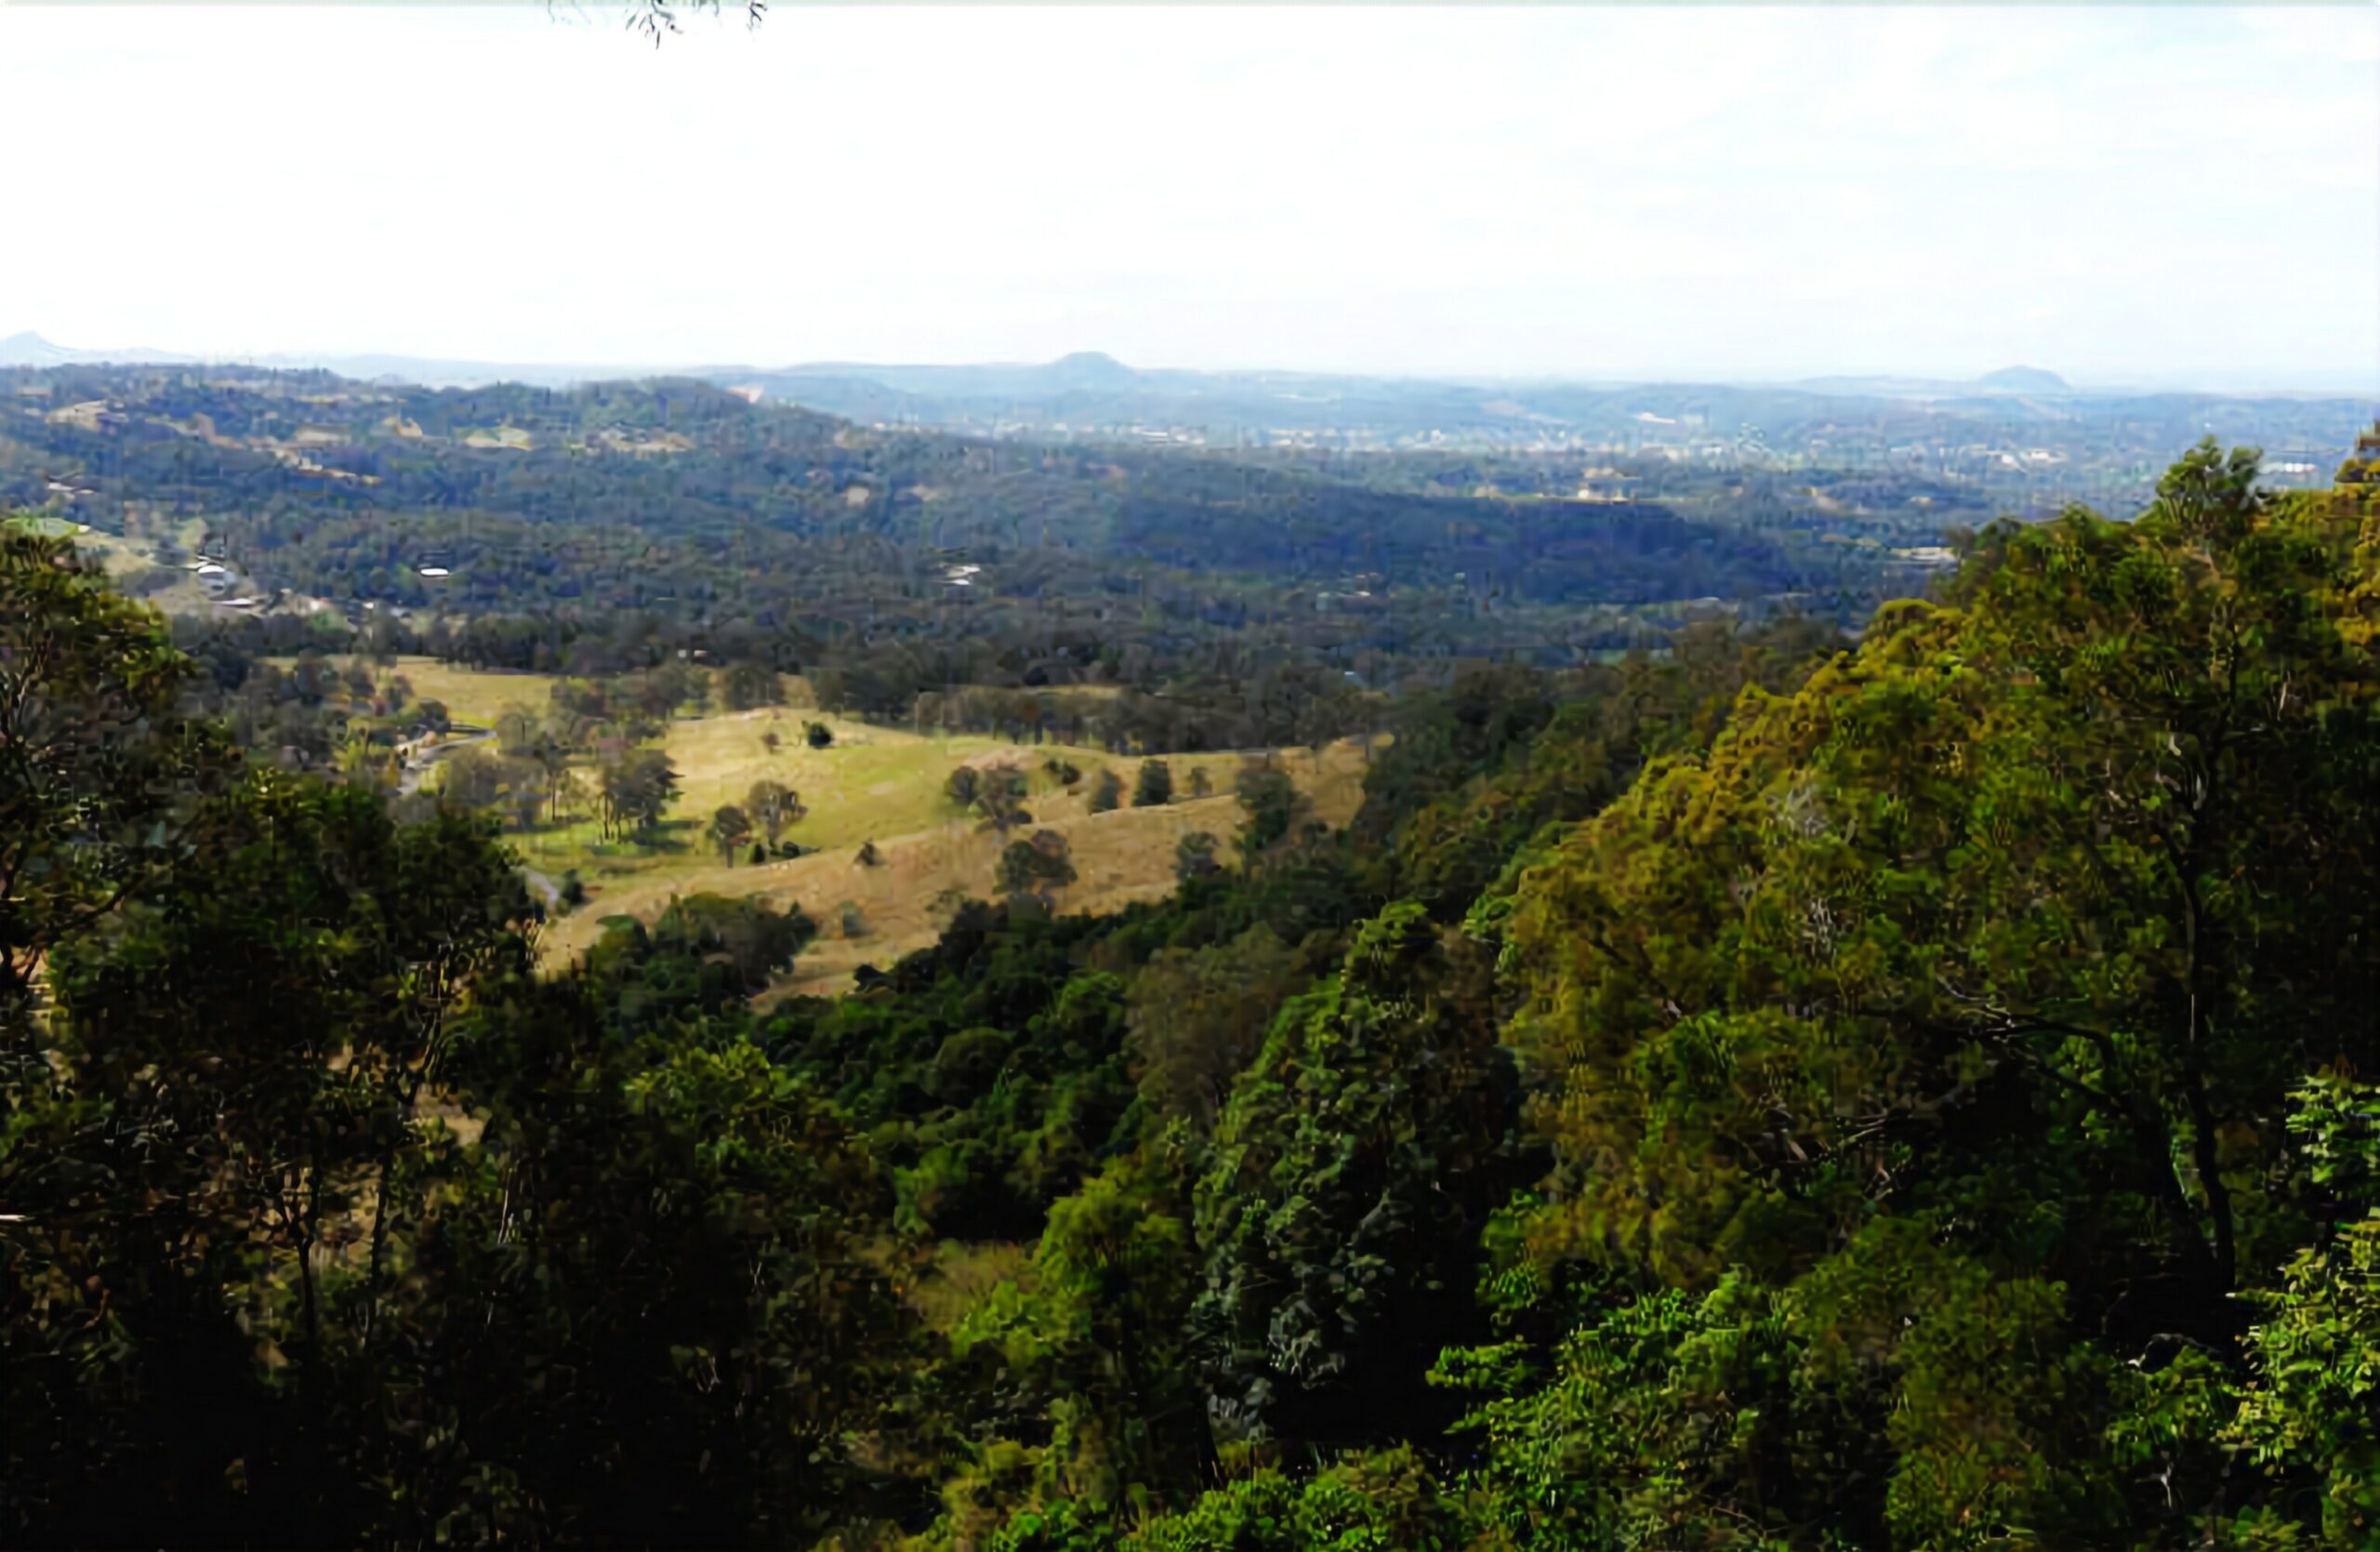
(1272, 806)
(1107, 793)
(2316, 1355)
(658, 20)
(747, 685)
(97, 769)
(1201, 784)
(961, 787)
(634, 789)
(999, 798)
(819, 735)
(772, 806)
(868, 855)
(1097, 1344)
(1194, 857)
(474, 779)
(235, 1076)
(1154, 788)
(1352, 1170)
(2047, 897)
(748, 1323)
(730, 830)
(1042, 864)
(517, 730)
(1198, 1015)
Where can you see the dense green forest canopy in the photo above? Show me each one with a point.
(1785, 1093)
(611, 528)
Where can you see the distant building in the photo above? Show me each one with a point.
(1605, 486)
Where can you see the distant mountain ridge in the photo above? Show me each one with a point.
(1090, 396)
(2008, 379)
(29, 349)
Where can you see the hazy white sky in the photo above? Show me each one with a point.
(2135, 194)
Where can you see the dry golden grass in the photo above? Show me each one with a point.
(877, 784)
(474, 695)
(1120, 857)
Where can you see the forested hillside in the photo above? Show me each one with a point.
(532, 498)
(1786, 1092)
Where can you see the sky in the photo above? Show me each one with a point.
(2134, 194)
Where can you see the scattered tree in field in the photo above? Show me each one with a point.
(1065, 772)
(1041, 864)
(769, 741)
(1154, 788)
(868, 855)
(749, 685)
(473, 778)
(1201, 784)
(633, 789)
(728, 829)
(1272, 805)
(772, 806)
(995, 795)
(1193, 856)
(517, 729)
(1106, 791)
(819, 735)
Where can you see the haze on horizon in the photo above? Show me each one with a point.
(2127, 195)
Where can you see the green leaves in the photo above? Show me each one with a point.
(1992, 955)
(1349, 1176)
(96, 768)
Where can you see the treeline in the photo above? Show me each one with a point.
(1789, 1094)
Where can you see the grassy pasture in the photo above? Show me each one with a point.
(1120, 857)
(873, 783)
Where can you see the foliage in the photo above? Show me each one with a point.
(95, 768)
(2316, 1354)
(1195, 856)
(1351, 1171)
(1762, 1093)
(1272, 806)
(1040, 864)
